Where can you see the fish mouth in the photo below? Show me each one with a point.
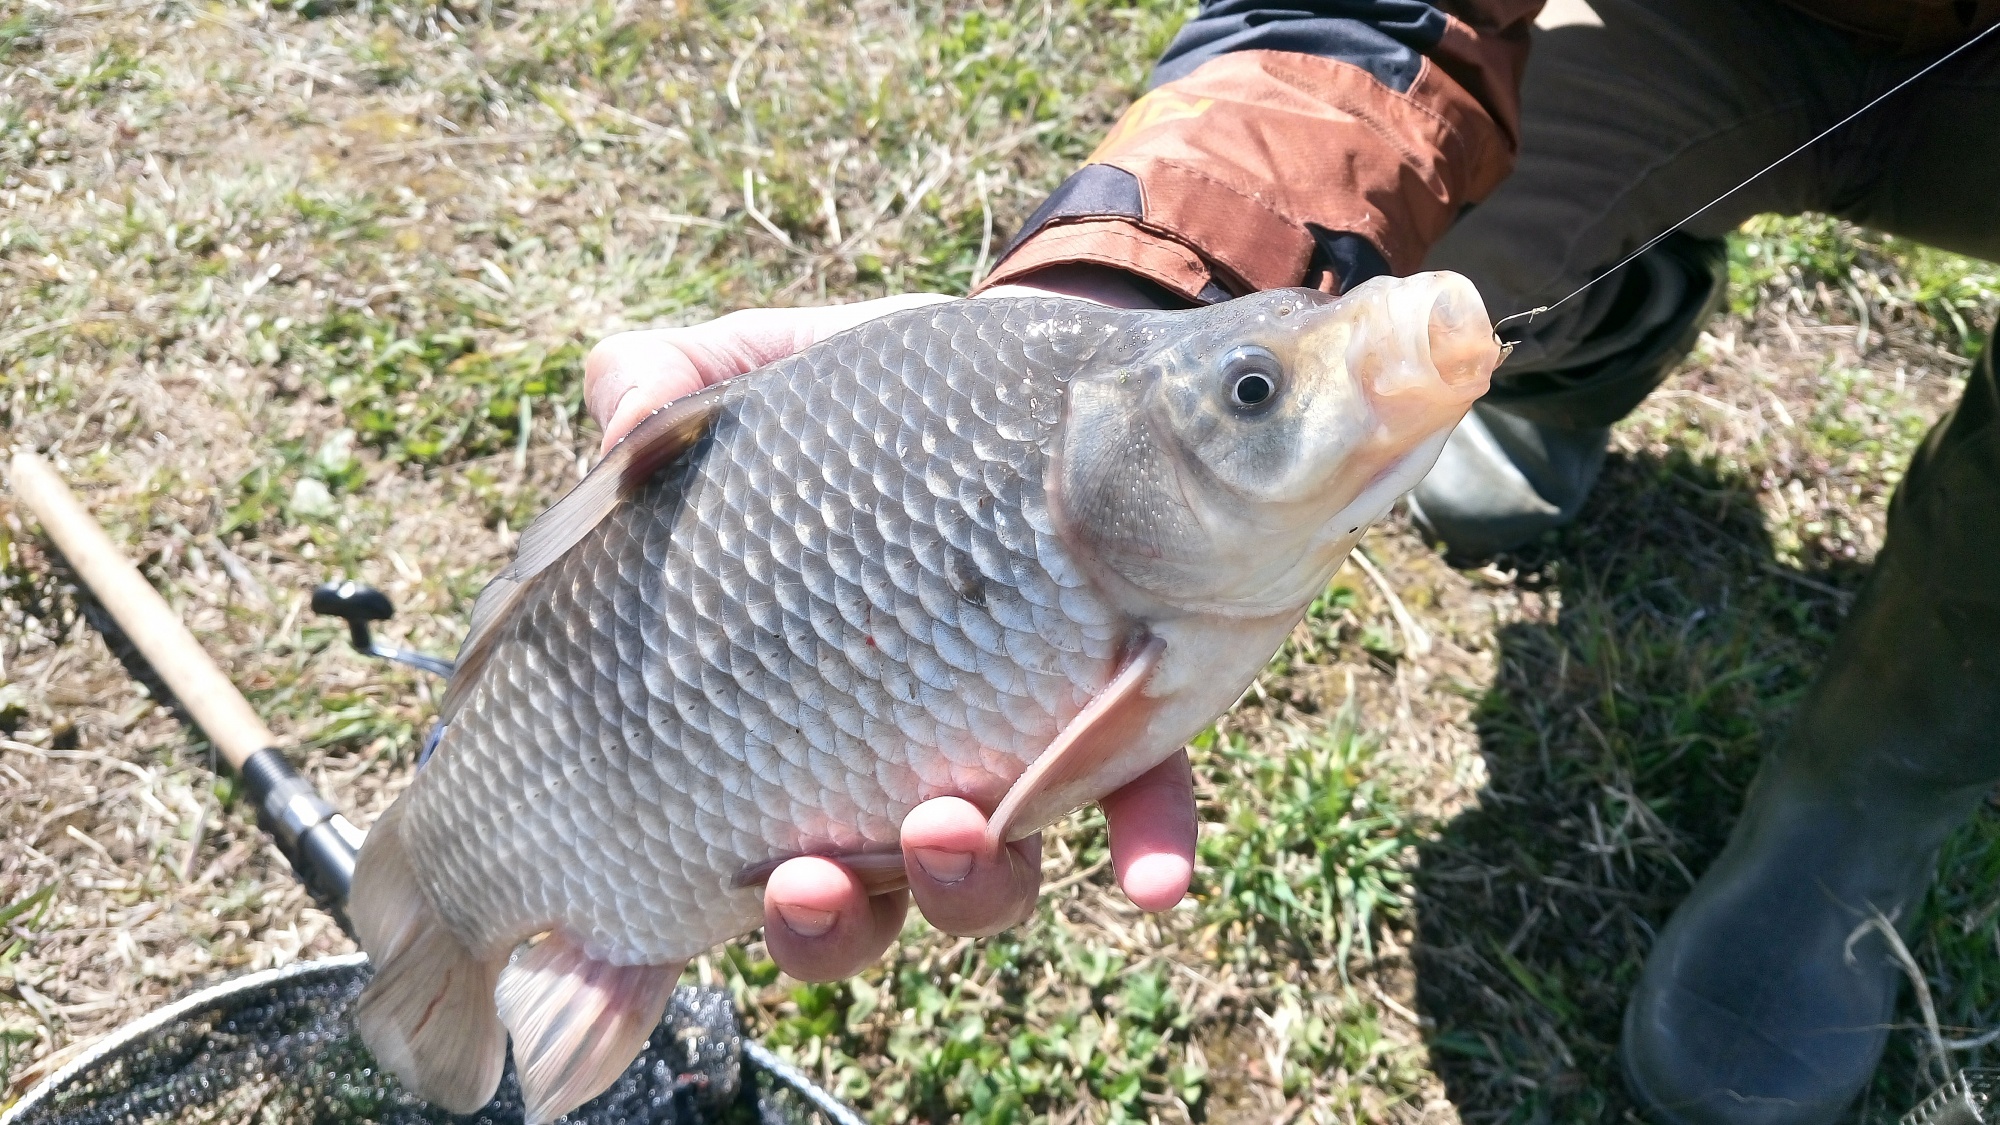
(1427, 356)
(1421, 351)
(1463, 347)
(1411, 355)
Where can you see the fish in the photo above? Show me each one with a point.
(1016, 550)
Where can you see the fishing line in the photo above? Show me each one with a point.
(1508, 345)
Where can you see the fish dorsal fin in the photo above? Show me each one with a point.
(1087, 760)
(660, 438)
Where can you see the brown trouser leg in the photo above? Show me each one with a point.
(1636, 112)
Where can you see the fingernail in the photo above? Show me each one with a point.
(941, 865)
(807, 922)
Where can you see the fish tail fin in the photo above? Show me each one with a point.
(577, 1021)
(428, 1015)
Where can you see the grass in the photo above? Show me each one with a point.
(1300, 854)
(1777, 256)
(301, 289)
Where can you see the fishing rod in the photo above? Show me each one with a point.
(320, 843)
(1507, 346)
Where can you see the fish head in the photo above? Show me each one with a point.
(1227, 466)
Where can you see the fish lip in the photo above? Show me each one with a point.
(1439, 343)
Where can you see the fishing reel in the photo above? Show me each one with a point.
(358, 604)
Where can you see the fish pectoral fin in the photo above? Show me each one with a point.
(577, 1021)
(1086, 760)
(879, 872)
(428, 1015)
(656, 441)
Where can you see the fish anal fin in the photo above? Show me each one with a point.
(428, 1015)
(577, 1021)
(879, 872)
(1088, 759)
(656, 441)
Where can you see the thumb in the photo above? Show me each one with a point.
(629, 375)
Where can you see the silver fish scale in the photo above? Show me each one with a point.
(847, 598)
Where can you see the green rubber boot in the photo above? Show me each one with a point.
(1525, 458)
(1767, 999)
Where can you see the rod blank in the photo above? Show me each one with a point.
(319, 842)
(200, 687)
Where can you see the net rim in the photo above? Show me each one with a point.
(161, 1016)
(756, 1056)
(763, 1058)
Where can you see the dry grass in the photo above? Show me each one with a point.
(293, 292)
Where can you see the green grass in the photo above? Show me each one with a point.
(19, 921)
(1309, 849)
(1619, 737)
(1302, 852)
(1777, 255)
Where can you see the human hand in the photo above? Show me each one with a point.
(820, 923)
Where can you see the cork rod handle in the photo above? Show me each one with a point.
(199, 686)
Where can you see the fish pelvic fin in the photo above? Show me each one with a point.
(657, 441)
(879, 872)
(428, 1015)
(1089, 758)
(577, 1021)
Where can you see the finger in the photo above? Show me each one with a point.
(1152, 825)
(962, 884)
(819, 924)
(744, 341)
(629, 375)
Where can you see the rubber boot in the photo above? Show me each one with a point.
(1768, 997)
(1524, 460)
(1501, 481)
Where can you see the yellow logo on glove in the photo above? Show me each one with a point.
(1156, 108)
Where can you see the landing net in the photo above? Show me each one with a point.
(279, 1048)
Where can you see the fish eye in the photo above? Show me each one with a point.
(1251, 378)
(1251, 389)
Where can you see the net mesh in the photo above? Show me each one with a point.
(284, 1050)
